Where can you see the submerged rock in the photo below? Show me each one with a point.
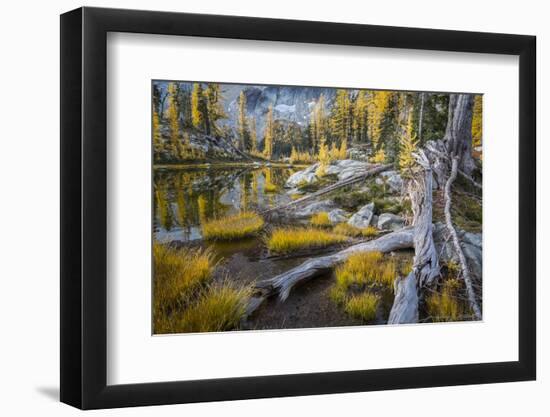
(389, 221)
(363, 217)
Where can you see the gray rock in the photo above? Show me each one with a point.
(346, 168)
(471, 244)
(305, 176)
(389, 221)
(392, 179)
(337, 216)
(363, 217)
(315, 207)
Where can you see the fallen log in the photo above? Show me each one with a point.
(339, 184)
(282, 284)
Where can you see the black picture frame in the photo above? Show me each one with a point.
(84, 207)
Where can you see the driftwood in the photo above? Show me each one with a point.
(282, 284)
(456, 242)
(326, 190)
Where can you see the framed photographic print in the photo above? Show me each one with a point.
(257, 208)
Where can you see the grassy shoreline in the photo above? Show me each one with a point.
(219, 164)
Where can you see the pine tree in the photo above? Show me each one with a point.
(293, 155)
(173, 117)
(253, 135)
(477, 121)
(340, 117)
(323, 157)
(157, 139)
(197, 117)
(244, 134)
(213, 108)
(359, 124)
(377, 106)
(268, 134)
(343, 149)
(318, 124)
(334, 152)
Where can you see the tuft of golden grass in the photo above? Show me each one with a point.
(179, 272)
(349, 230)
(366, 268)
(445, 306)
(369, 231)
(233, 227)
(362, 306)
(320, 219)
(284, 240)
(219, 308)
(184, 300)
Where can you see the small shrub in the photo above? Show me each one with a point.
(453, 268)
(444, 306)
(220, 308)
(363, 306)
(233, 227)
(320, 219)
(286, 240)
(387, 205)
(352, 200)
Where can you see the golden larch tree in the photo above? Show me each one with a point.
(407, 146)
(477, 121)
(268, 134)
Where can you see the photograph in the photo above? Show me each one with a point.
(283, 207)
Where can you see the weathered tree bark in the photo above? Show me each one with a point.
(425, 265)
(421, 116)
(330, 188)
(456, 242)
(458, 134)
(405, 303)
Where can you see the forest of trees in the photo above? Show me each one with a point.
(386, 125)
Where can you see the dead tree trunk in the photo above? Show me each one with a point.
(425, 265)
(458, 134)
(456, 144)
